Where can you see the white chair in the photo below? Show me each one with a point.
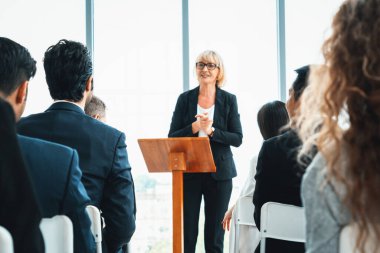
(6, 242)
(58, 234)
(96, 226)
(348, 237)
(244, 209)
(281, 221)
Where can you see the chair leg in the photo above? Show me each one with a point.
(236, 247)
(262, 245)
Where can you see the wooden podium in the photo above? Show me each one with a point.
(178, 156)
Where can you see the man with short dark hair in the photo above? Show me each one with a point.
(54, 168)
(101, 148)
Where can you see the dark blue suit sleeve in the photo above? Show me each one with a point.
(118, 206)
(19, 210)
(234, 133)
(74, 206)
(177, 128)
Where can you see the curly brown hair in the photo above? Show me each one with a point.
(344, 100)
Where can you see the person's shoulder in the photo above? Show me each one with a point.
(98, 124)
(28, 118)
(288, 139)
(316, 171)
(274, 140)
(39, 144)
(190, 92)
(225, 96)
(277, 144)
(102, 129)
(318, 186)
(225, 93)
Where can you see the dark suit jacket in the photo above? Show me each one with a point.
(226, 123)
(103, 160)
(19, 211)
(57, 178)
(278, 179)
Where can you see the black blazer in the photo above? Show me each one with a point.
(102, 158)
(227, 126)
(278, 179)
(19, 211)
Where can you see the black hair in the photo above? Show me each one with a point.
(301, 81)
(16, 65)
(271, 118)
(67, 66)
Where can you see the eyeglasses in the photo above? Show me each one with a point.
(210, 66)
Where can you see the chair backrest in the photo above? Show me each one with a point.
(96, 226)
(243, 215)
(58, 234)
(244, 211)
(6, 242)
(282, 221)
(348, 237)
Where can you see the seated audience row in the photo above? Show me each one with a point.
(103, 161)
(278, 173)
(340, 115)
(271, 119)
(337, 116)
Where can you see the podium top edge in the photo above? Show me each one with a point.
(175, 139)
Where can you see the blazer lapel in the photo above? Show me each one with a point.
(193, 103)
(218, 110)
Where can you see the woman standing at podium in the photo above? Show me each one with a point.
(208, 111)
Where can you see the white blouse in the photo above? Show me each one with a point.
(210, 114)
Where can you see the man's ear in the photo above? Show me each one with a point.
(89, 84)
(22, 92)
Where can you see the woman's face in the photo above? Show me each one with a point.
(207, 72)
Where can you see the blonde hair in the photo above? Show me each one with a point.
(213, 57)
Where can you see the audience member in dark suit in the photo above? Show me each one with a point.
(278, 173)
(19, 211)
(96, 108)
(211, 112)
(53, 168)
(101, 148)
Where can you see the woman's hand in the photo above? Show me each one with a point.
(227, 219)
(204, 123)
(195, 126)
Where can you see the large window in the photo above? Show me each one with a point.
(138, 73)
(307, 24)
(37, 25)
(244, 34)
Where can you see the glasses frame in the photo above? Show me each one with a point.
(209, 66)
